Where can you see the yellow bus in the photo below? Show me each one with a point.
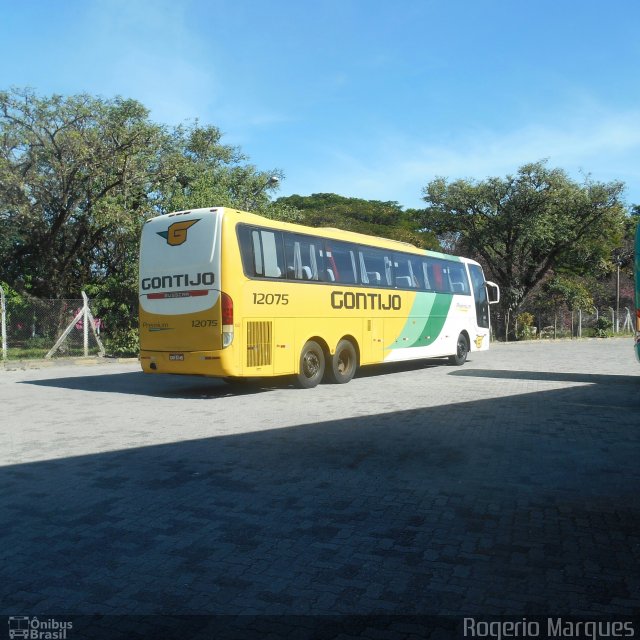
(230, 294)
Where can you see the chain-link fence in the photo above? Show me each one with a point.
(565, 323)
(37, 328)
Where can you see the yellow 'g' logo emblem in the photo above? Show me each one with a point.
(176, 234)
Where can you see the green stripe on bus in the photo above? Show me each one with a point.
(425, 322)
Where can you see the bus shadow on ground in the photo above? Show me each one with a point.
(613, 392)
(524, 505)
(165, 386)
(384, 368)
(548, 376)
(176, 386)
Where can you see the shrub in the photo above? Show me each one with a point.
(123, 343)
(525, 330)
(604, 327)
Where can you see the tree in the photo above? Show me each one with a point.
(72, 171)
(372, 217)
(200, 171)
(523, 226)
(79, 175)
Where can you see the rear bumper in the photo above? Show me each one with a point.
(189, 363)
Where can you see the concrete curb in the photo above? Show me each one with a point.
(500, 343)
(16, 365)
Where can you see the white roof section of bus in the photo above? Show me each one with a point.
(195, 251)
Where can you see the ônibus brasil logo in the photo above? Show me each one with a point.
(176, 234)
(33, 628)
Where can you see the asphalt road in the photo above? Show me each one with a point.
(509, 486)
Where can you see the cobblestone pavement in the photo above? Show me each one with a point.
(510, 485)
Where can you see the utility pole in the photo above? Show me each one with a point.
(617, 328)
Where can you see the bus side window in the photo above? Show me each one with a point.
(437, 277)
(458, 279)
(427, 276)
(408, 271)
(375, 267)
(303, 258)
(445, 276)
(340, 261)
(272, 254)
(261, 252)
(438, 274)
(250, 251)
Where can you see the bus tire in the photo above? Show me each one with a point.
(312, 364)
(462, 350)
(344, 363)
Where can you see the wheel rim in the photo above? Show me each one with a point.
(344, 362)
(310, 364)
(462, 348)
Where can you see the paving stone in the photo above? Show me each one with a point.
(510, 485)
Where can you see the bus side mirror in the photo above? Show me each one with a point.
(493, 292)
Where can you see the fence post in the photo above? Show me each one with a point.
(4, 324)
(93, 324)
(579, 323)
(572, 325)
(85, 324)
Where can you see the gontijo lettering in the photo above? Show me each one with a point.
(178, 280)
(373, 301)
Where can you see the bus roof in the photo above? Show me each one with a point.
(327, 232)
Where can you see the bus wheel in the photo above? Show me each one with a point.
(344, 363)
(462, 349)
(311, 365)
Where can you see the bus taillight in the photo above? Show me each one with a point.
(227, 320)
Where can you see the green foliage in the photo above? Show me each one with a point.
(371, 217)
(569, 290)
(114, 300)
(523, 226)
(525, 328)
(199, 171)
(73, 172)
(123, 344)
(604, 327)
(79, 175)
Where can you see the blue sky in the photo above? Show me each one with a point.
(363, 98)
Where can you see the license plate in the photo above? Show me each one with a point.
(176, 356)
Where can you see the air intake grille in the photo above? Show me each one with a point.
(258, 344)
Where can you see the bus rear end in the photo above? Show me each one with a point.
(185, 320)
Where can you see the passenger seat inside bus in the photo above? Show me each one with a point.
(404, 282)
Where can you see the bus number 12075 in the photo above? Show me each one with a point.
(271, 298)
